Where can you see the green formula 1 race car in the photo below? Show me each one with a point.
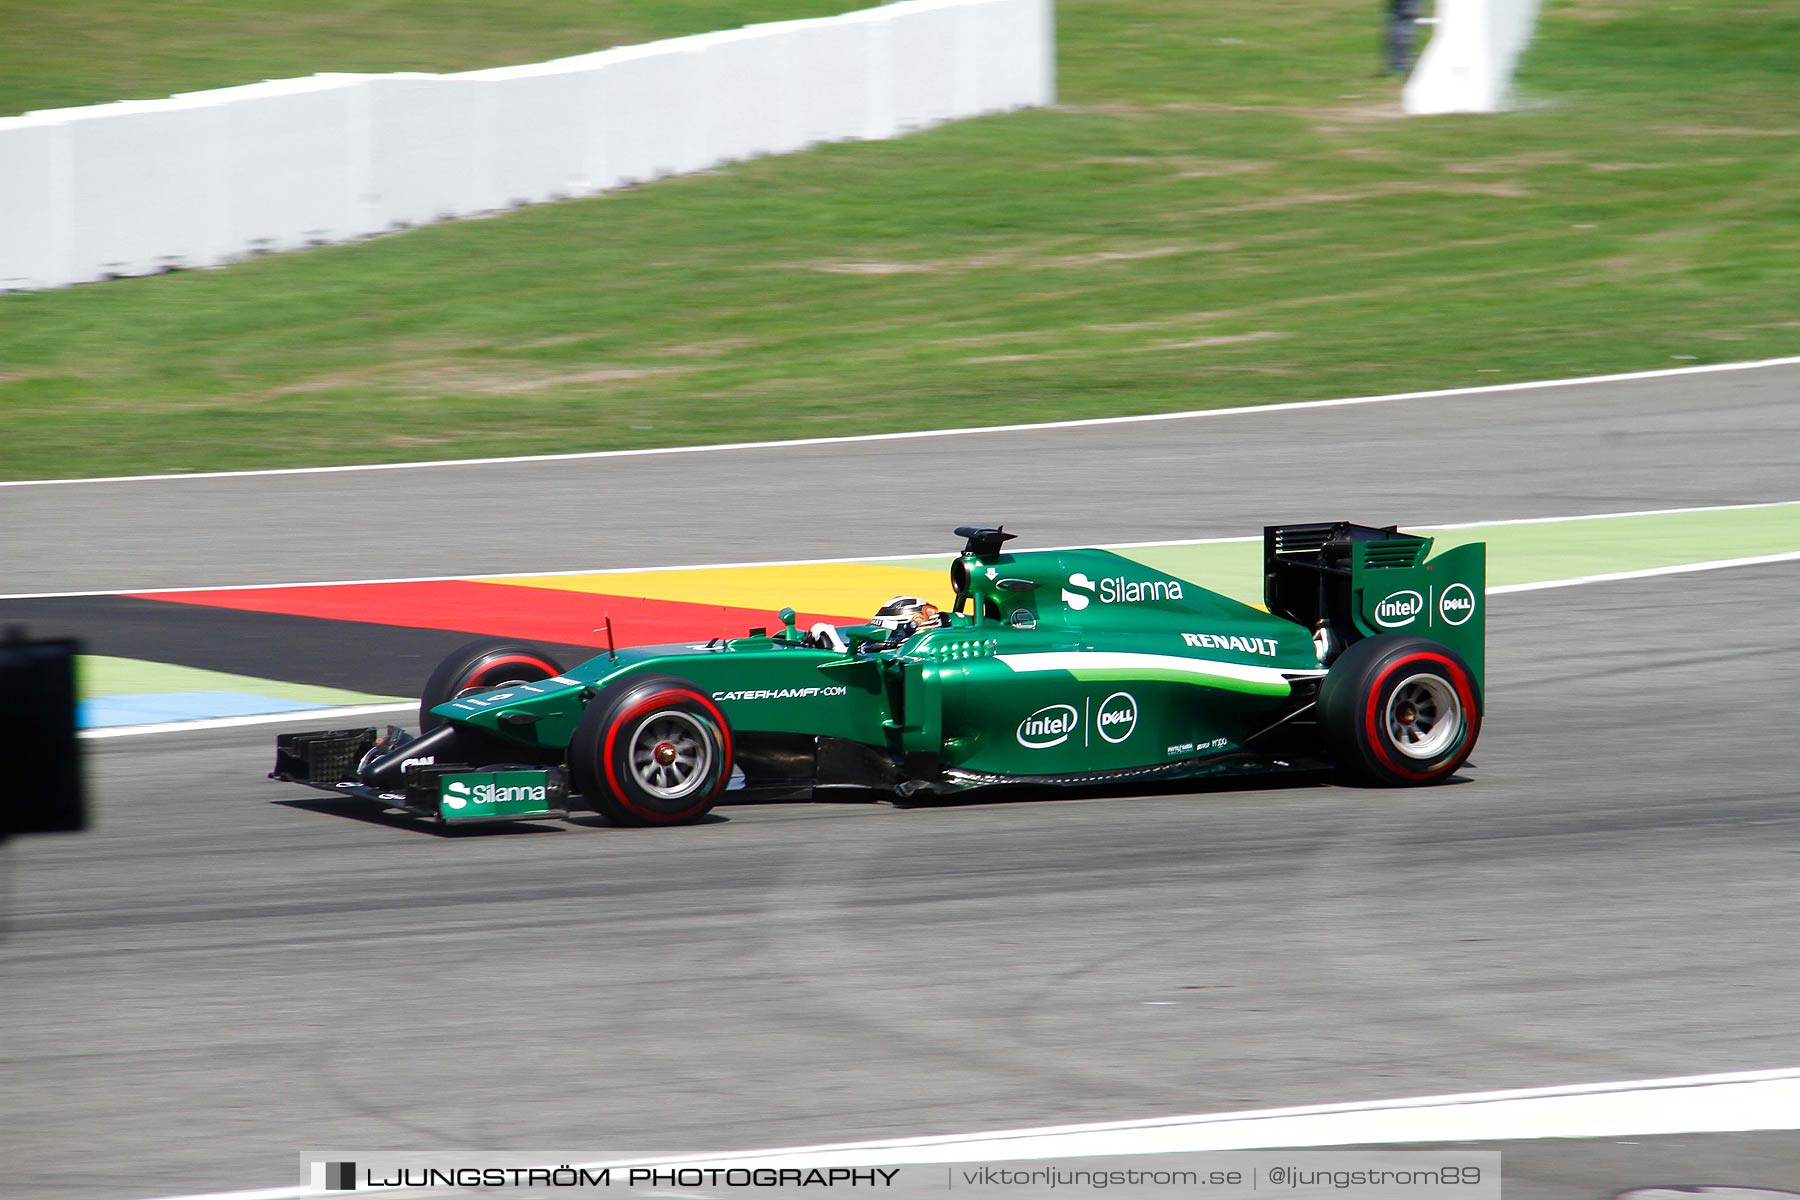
(1070, 668)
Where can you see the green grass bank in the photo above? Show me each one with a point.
(1226, 208)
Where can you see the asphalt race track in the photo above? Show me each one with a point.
(226, 973)
(1674, 441)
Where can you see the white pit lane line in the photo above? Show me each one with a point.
(332, 714)
(1738, 1102)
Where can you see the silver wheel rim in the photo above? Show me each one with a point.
(488, 687)
(1424, 717)
(671, 755)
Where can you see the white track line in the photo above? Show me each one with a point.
(332, 714)
(290, 717)
(1142, 418)
(1728, 1103)
(1608, 516)
(1717, 564)
(940, 552)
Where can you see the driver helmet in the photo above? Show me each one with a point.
(905, 610)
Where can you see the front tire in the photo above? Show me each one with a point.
(1400, 710)
(477, 667)
(651, 751)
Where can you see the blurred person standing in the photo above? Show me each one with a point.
(1402, 30)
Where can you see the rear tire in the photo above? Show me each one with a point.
(1400, 711)
(478, 666)
(654, 750)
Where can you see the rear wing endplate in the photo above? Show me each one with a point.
(1361, 580)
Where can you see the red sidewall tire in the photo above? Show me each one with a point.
(600, 754)
(485, 663)
(1354, 699)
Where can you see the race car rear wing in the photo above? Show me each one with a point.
(1359, 581)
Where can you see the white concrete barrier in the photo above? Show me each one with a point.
(746, 113)
(846, 89)
(33, 194)
(922, 41)
(631, 146)
(298, 160)
(425, 163)
(530, 134)
(144, 188)
(1468, 64)
(207, 178)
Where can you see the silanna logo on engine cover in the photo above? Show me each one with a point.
(1082, 591)
(1048, 726)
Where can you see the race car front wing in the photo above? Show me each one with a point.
(339, 760)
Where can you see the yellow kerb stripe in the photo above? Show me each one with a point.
(841, 589)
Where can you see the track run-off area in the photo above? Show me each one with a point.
(224, 973)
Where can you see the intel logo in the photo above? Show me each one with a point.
(1047, 727)
(1401, 608)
